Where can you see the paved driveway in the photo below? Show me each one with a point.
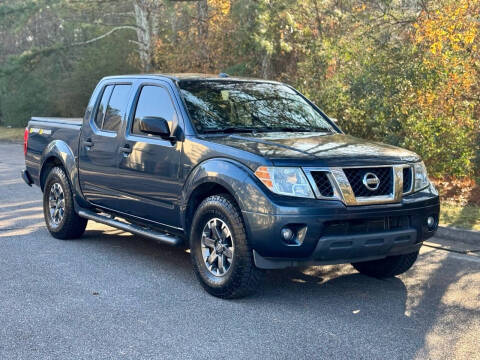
(112, 295)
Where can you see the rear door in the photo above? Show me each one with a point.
(99, 142)
(149, 165)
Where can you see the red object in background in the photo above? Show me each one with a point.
(25, 141)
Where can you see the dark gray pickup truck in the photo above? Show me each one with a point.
(248, 174)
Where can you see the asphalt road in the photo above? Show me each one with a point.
(112, 295)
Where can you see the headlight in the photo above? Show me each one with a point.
(285, 181)
(421, 176)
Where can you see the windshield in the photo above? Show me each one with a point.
(243, 106)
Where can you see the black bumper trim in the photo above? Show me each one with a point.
(349, 249)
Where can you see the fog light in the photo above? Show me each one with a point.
(430, 222)
(287, 234)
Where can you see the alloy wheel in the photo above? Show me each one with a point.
(56, 203)
(217, 247)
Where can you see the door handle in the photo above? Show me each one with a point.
(126, 149)
(88, 143)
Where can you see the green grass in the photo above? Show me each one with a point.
(11, 134)
(466, 217)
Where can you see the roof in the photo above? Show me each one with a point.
(190, 76)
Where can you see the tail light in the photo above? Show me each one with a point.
(25, 141)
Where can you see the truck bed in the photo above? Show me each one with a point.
(43, 131)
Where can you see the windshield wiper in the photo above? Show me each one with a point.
(229, 130)
(294, 129)
(235, 129)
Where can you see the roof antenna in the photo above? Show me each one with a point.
(223, 75)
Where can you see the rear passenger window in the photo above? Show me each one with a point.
(103, 106)
(116, 108)
(156, 102)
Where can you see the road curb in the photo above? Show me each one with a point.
(470, 237)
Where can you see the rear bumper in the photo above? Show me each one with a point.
(27, 178)
(321, 245)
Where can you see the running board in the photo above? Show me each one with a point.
(134, 229)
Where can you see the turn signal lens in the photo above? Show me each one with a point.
(264, 175)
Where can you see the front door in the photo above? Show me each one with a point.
(98, 148)
(149, 165)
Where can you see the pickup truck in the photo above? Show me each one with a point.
(247, 174)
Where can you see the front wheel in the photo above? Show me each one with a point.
(58, 210)
(388, 267)
(221, 256)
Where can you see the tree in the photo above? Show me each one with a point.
(46, 42)
(448, 102)
(404, 72)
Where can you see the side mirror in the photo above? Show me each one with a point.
(155, 126)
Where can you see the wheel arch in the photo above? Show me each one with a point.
(59, 153)
(216, 176)
(200, 193)
(47, 166)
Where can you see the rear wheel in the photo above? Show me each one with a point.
(221, 256)
(58, 210)
(388, 267)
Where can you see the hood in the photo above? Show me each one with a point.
(317, 149)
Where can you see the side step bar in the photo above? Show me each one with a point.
(134, 229)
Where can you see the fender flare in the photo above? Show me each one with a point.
(237, 178)
(60, 150)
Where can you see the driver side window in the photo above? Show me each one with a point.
(154, 101)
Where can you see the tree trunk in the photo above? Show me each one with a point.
(202, 13)
(266, 65)
(146, 20)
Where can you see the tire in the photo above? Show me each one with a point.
(240, 276)
(388, 267)
(62, 222)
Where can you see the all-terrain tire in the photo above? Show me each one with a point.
(388, 267)
(69, 225)
(243, 277)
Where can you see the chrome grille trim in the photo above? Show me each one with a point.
(308, 172)
(342, 189)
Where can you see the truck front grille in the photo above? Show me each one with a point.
(361, 185)
(356, 176)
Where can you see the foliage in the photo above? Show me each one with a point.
(448, 102)
(402, 72)
(45, 69)
(466, 217)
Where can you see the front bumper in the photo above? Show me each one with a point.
(349, 249)
(321, 246)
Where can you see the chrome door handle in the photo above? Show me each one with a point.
(126, 149)
(88, 143)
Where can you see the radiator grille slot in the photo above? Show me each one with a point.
(366, 226)
(324, 186)
(407, 179)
